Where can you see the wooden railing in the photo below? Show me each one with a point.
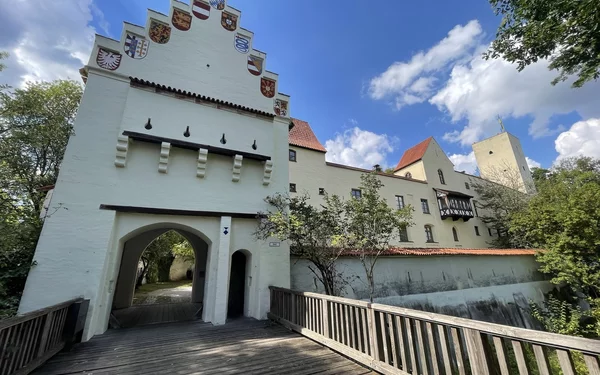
(29, 340)
(394, 340)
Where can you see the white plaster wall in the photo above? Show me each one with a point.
(408, 275)
(310, 172)
(416, 170)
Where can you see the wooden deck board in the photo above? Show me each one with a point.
(244, 346)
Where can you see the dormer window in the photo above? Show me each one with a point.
(441, 175)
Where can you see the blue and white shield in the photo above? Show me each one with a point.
(241, 43)
(136, 46)
(218, 4)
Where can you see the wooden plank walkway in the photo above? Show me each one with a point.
(245, 346)
(139, 315)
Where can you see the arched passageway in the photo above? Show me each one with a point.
(158, 306)
(237, 285)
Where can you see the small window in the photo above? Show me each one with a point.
(425, 206)
(477, 231)
(408, 175)
(490, 232)
(429, 233)
(399, 202)
(455, 234)
(523, 167)
(441, 174)
(475, 208)
(467, 186)
(403, 234)
(498, 233)
(321, 191)
(292, 155)
(356, 193)
(491, 152)
(292, 188)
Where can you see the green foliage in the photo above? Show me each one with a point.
(35, 125)
(370, 224)
(312, 232)
(159, 255)
(564, 31)
(560, 316)
(563, 219)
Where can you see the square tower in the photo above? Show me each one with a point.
(501, 159)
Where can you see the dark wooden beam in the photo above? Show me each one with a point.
(193, 146)
(170, 211)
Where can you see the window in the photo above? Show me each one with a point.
(490, 232)
(356, 193)
(408, 175)
(292, 155)
(467, 186)
(477, 231)
(292, 188)
(403, 234)
(455, 234)
(491, 152)
(425, 206)
(429, 233)
(399, 202)
(321, 191)
(441, 174)
(475, 208)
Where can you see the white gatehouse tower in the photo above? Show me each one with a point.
(181, 127)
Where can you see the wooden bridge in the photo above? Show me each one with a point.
(332, 336)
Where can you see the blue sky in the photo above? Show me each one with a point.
(372, 78)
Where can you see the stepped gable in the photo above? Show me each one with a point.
(196, 47)
(413, 154)
(302, 135)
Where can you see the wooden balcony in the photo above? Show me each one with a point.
(454, 205)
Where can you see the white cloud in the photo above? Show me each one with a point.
(405, 81)
(532, 163)
(46, 40)
(464, 162)
(480, 90)
(359, 148)
(582, 139)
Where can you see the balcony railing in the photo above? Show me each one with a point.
(394, 340)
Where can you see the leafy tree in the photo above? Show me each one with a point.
(370, 224)
(312, 232)
(565, 31)
(35, 125)
(159, 255)
(563, 219)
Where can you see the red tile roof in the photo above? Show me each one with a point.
(419, 251)
(302, 135)
(413, 154)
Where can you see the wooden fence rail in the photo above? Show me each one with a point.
(29, 340)
(394, 340)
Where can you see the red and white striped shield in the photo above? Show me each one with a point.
(255, 65)
(201, 9)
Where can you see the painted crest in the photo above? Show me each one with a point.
(255, 65)
(241, 43)
(267, 87)
(181, 20)
(136, 46)
(218, 4)
(281, 107)
(107, 59)
(201, 9)
(159, 32)
(229, 21)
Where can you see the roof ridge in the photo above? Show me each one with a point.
(413, 154)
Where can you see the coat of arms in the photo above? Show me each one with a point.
(181, 20)
(136, 46)
(107, 59)
(229, 21)
(201, 9)
(267, 87)
(255, 65)
(281, 107)
(159, 32)
(218, 4)
(241, 43)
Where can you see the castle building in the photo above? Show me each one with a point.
(181, 127)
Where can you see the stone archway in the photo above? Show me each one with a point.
(133, 247)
